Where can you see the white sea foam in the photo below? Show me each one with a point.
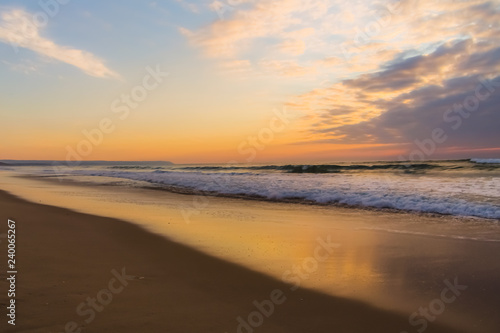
(486, 160)
(478, 196)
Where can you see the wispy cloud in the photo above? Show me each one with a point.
(17, 29)
(238, 33)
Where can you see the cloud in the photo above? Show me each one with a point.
(227, 38)
(18, 29)
(245, 29)
(361, 34)
(393, 68)
(403, 73)
(409, 97)
(434, 107)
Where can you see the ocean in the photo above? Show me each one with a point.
(453, 187)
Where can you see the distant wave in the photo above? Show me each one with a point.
(322, 168)
(134, 167)
(338, 168)
(396, 167)
(486, 160)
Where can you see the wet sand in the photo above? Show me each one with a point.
(65, 257)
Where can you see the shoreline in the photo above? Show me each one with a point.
(293, 201)
(253, 197)
(67, 255)
(398, 213)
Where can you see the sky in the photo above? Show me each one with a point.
(235, 81)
